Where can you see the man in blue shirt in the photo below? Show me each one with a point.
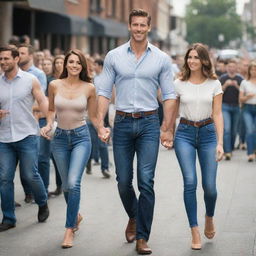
(19, 135)
(26, 63)
(137, 69)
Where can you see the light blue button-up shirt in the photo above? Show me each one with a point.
(16, 97)
(40, 75)
(136, 80)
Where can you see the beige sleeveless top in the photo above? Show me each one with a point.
(71, 113)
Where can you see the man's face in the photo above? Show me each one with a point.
(7, 62)
(232, 68)
(25, 57)
(139, 28)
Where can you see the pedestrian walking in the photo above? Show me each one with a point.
(69, 98)
(230, 107)
(248, 98)
(137, 69)
(19, 132)
(200, 131)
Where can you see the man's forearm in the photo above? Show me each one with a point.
(169, 108)
(103, 104)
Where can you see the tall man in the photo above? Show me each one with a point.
(19, 135)
(138, 69)
(26, 63)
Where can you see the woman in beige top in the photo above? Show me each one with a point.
(69, 98)
(200, 132)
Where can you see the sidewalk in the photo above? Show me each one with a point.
(102, 231)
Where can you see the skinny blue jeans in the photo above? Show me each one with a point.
(26, 151)
(71, 150)
(190, 140)
(138, 136)
(249, 114)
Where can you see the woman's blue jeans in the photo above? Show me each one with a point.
(190, 140)
(71, 150)
(249, 114)
(140, 136)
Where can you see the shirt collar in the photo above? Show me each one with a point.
(129, 48)
(18, 75)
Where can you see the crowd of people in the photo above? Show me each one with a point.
(69, 96)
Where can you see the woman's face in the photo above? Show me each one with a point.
(193, 61)
(73, 66)
(253, 72)
(59, 65)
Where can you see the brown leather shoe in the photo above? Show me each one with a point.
(130, 232)
(142, 247)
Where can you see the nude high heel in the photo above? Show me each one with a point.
(196, 239)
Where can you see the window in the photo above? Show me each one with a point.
(95, 6)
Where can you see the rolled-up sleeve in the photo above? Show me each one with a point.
(166, 80)
(105, 81)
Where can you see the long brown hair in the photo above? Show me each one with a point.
(207, 68)
(54, 70)
(251, 65)
(84, 74)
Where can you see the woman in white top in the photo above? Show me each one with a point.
(200, 131)
(248, 97)
(69, 98)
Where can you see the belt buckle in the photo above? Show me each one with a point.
(196, 125)
(136, 115)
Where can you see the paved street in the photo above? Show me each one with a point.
(102, 231)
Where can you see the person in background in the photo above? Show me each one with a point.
(58, 66)
(230, 106)
(248, 98)
(200, 132)
(220, 67)
(69, 98)
(26, 63)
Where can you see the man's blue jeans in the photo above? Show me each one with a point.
(43, 161)
(190, 140)
(26, 151)
(99, 148)
(249, 113)
(140, 136)
(71, 150)
(231, 121)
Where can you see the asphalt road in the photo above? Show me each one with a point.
(102, 231)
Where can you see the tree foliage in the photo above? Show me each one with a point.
(213, 22)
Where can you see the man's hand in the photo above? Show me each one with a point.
(219, 153)
(167, 139)
(3, 113)
(104, 134)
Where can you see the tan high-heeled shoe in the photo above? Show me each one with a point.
(68, 239)
(209, 230)
(196, 239)
(79, 220)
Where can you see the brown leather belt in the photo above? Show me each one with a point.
(196, 124)
(136, 114)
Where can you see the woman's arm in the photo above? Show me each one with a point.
(92, 106)
(218, 121)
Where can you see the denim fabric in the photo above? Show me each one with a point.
(71, 150)
(26, 151)
(231, 120)
(99, 148)
(43, 161)
(249, 114)
(190, 140)
(57, 174)
(140, 136)
(241, 127)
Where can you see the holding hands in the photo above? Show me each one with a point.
(104, 134)
(167, 139)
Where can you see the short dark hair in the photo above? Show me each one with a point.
(100, 62)
(14, 51)
(140, 13)
(31, 49)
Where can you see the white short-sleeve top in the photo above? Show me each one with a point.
(248, 87)
(196, 99)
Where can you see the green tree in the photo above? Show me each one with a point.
(213, 22)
